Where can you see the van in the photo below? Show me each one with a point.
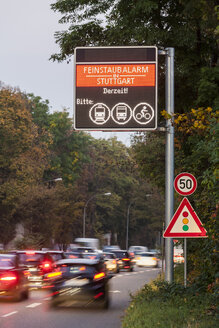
(88, 242)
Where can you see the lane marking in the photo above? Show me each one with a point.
(33, 305)
(115, 291)
(9, 314)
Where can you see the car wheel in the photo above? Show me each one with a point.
(18, 296)
(25, 294)
(131, 269)
(106, 302)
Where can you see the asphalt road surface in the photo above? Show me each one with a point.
(36, 313)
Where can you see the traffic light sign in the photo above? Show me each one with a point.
(185, 223)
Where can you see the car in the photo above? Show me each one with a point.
(109, 248)
(79, 282)
(92, 256)
(111, 262)
(178, 256)
(135, 249)
(13, 278)
(124, 259)
(38, 263)
(73, 255)
(146, 259)
(83, 249)
(56, 255)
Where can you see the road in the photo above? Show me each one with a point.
(36, 313)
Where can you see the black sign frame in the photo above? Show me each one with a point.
(117, 107)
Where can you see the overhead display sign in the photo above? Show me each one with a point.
(115, 88)
(185, 184)
(185, 223)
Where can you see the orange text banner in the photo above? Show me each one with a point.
(129, 75)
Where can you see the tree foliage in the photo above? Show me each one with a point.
(188, 26)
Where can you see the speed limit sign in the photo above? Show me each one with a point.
(185, 184)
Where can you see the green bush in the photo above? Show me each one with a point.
(165, 305)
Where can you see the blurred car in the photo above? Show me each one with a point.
(135, 249)
(124, 259)
(109, 248)
(147, 259)
(92, 256)
(13, 278)
(38, 263)
(79, 282)
(111, 262)
(73, 255)
(56, 255)
(82, 249)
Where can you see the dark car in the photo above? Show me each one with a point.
(38, 263)
(73, 255)
(56, 255)
(124, 259)
(13, 278)
(79, 282)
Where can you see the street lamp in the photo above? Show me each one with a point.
(127, 220)
(85, 207)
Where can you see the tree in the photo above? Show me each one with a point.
(23, 154)
(69, 148)
(188, 26)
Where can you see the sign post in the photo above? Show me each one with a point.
(116, 88)
(185, 222)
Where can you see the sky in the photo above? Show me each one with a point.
(27, 30)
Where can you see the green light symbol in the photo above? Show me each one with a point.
(185, 221)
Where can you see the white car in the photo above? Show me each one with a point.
(146, 259)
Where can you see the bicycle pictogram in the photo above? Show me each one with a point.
(143, 113)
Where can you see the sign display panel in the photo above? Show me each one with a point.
(115, 88)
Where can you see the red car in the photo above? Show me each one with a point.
(13, 278)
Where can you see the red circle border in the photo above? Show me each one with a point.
(187, 175)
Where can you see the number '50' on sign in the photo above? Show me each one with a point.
(185, 184)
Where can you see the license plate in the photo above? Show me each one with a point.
(76, 282)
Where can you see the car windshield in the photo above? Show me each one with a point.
(121, 255)
(56, 256)
(109, 256)
(147, 254)
(6, 262)
(90, 256)
(72, 255)
(72, 270)
(33, 257)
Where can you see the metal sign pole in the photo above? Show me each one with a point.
(185, 262)
(169, 176)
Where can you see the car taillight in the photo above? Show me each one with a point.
(114, 261)
(125, 259)
(56, 274)
(46, 266)
(99, 276)
(8, 277)
(82, 268)
(154, 258)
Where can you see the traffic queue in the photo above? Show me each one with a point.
(78, 277)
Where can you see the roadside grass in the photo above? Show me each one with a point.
(163, 305)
